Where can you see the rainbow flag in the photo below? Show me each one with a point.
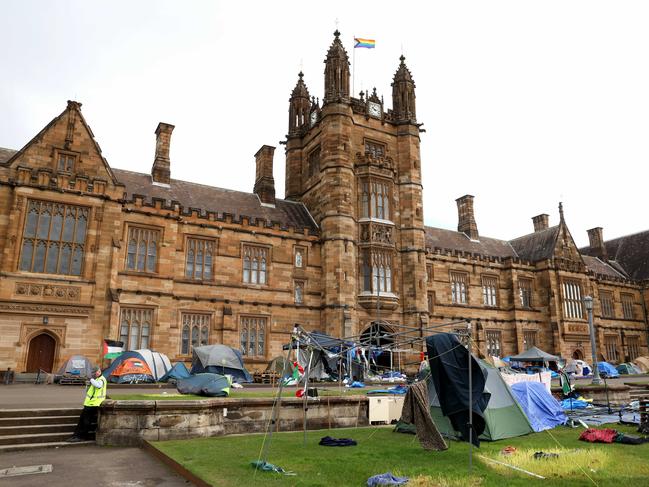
(367, 43)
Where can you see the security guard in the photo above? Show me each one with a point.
(95, 395)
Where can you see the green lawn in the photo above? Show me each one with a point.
(235, 394)
(225, 461)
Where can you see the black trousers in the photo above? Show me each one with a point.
(87, 423)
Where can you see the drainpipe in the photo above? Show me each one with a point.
(644, 310)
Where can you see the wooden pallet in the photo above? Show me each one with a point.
(72, 381)
(266, 378)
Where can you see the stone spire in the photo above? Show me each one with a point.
(299, 106)
(336, 72)
(403, 94)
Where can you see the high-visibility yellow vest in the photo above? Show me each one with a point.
(96, 395)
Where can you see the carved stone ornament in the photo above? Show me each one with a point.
(377, 233)
(60, 293)
(27, 332)
(30, 308)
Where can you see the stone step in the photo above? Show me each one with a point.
(39, 420)
(34, 438)
(29, 413)
(37, 429)
(35, 446)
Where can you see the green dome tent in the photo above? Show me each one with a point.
(504, 417)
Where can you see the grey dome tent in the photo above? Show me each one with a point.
(76, 366)
(220, 359)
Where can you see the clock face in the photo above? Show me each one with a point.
(314, 118)
(374, 109)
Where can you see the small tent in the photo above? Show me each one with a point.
(542, 410)
(76, 366)
(628, 368)
(177, 372)
(158, 363)
(279, 365)
(608, 369)
(131, 371)
(502, 415)
(642, 363)
(220, 359)
(206, 384)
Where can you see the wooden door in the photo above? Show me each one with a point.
(41, 353)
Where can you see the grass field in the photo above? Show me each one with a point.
(235, 394)
(225, 461)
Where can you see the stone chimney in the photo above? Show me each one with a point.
(466, 220)
(161, 170)
(541, 222)
(596, 239)
(264, 182)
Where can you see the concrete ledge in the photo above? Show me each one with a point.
(129, 423)
(174, 465)
(618, 394)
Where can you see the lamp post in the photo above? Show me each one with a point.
(588, 303)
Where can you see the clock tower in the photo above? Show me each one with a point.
(356, 167)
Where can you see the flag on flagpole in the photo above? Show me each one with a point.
(366, 43)
(112, 348)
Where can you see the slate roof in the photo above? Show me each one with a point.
(218, 200)
(536, 246)
(630, 252)
(448, 239)
(5, 154)
(600, 267)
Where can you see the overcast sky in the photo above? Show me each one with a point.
(525, 104)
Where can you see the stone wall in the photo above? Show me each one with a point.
(123, 423)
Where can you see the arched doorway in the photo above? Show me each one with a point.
(41, 353)
(378, 335)
(578, 354)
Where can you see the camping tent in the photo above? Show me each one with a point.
(503, 416)
(642, 363)
(177, 372)
(220, 359)
(608, 369)
(212, 385)
(279, 365)
(157, 363)
(76, 366)
(542, 410)
(130, 371)
(628, 368)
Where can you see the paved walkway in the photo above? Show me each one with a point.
(27, 396)
(79, 466)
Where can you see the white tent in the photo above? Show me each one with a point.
(158, 363)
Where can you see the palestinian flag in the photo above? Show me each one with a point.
(112, 348)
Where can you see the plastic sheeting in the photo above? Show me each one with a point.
(542, 410)
(211, 385)
(608, 369)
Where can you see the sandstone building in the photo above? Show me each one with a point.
(89, 252)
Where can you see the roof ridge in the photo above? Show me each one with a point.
(534, 233)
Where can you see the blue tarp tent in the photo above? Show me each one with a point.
(608, 369)
(220, 359)
(543, 411)
(212, 385)
(177, 372)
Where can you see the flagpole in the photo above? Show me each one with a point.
(353, 66)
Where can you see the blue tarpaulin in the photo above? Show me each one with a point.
(543, 410)
(608, 369)
(178, 371)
